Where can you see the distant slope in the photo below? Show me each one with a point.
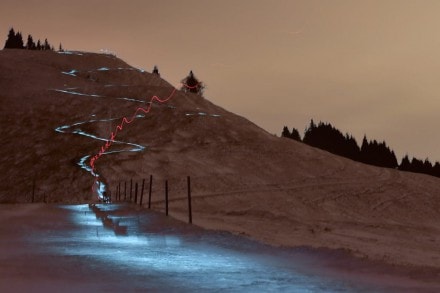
(245, 180)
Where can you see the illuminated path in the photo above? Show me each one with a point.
(87, 162)
(118, 248)
(74, 129)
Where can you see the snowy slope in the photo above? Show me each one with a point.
(244, 179)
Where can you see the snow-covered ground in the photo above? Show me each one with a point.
(56, 110)
(117, 247)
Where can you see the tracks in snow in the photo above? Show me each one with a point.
(86, 162)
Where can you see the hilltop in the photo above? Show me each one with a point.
(245, 180)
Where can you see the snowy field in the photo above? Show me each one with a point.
(117, 247)
(58, 112)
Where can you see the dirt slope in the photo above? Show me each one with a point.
(244, 179)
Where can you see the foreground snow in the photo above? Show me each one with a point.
(118, 247)
(245, 180)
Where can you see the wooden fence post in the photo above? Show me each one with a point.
(189, 200)
(131, 189)
(125, 190)
(166, 197)
(142, 191)
(136, 193)
(119, 191)
(149, 194)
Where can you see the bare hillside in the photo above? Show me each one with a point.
(55, 108)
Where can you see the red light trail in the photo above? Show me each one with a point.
(124, 121)
(191, 87)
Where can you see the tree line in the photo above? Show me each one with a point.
(189, 84)
(15, 41)
(327, 137)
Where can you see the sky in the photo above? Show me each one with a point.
(367, 67)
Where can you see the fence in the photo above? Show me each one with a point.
(138, 193)
(135, 194)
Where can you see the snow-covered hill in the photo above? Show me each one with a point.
(53, 107)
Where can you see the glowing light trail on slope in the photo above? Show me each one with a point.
(78, 93)
(83, 161)
(104, 149)
(125, 120)
(119, 128)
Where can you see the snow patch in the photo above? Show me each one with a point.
(70, 53)
(77, 93)
(131, 100)
(71, 72)
(202, 114)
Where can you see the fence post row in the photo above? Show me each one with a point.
(118, 194)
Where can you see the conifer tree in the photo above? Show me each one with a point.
(377, 154)
(405, 165)
(30, 45)
(46, 45)
(286, 132)
(327, 137)
(295, 134)
(436, 169)
(427, 167)
(156, 70)
(192, 84)
(19, 41)
(11, 39)
(39, 47)
(308, 134)
(416, 165)
(14, 41)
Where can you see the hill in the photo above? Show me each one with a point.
(53, 107)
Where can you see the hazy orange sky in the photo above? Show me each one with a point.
(365, 66)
